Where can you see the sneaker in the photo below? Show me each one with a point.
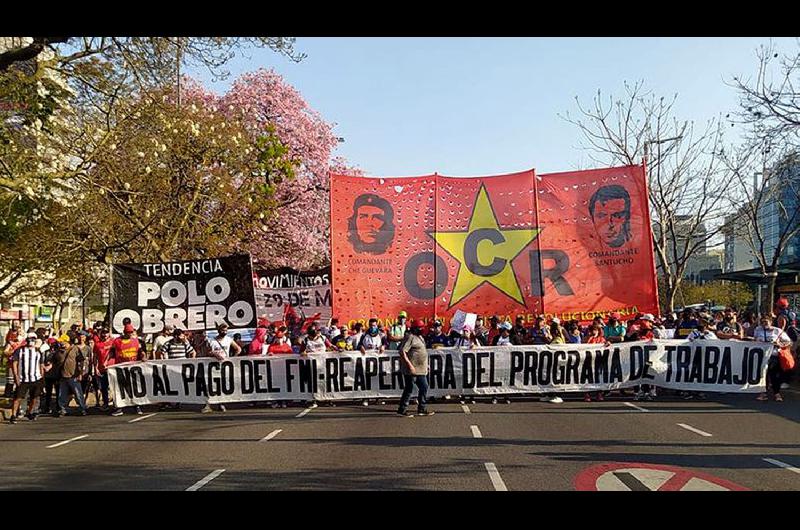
(274, 405)
(313, 405)
(556, 399)
(762, 397)
(139, 410)
(284, 405)
(365, 403)
(12, 419)
(104, 408)
(425, 413)
(222, 408)
(206, 409)
(688, 396)
(84, 412)
(32, 417)
(448, 396)
(405, 414)
(587, 398)
(383, 402)
(494, 401)
(508, 401)
(544, 399)
(778, 397)
(117, 412)
(638, 396)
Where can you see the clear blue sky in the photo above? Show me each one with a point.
(474, 106)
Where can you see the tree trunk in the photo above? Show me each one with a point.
(769, 298)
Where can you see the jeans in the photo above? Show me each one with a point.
(104, 388)
(50, 385)
(70, 385)
(775, 376)
(408, 383)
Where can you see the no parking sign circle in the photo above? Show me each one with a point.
(634, 476)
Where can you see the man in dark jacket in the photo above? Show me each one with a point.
(71, 374)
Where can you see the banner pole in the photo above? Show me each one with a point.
(650, 230)
(330, 245)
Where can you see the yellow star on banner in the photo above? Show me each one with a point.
(485, 252)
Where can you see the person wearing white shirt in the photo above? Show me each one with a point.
(766, 332)
(221, 347)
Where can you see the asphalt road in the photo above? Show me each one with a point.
(525, 445)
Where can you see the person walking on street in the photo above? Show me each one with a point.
(414, 367)
(71, 374)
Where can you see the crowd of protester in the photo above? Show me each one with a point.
(50, 368)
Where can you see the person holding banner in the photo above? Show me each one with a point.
(595, 337)
(221, 347)
(766, 332)
(372, 341)
(414, 367)
(127, 349)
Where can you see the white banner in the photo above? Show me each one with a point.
(709, 366)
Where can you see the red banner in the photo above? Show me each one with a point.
(571, 244)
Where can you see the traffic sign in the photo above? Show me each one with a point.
(634, 476)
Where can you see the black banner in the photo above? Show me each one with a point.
(191, 295)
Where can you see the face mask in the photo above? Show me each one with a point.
(373, 330)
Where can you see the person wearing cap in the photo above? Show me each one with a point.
(398, 331)
(127, 349)
(436, 338)
(28, 368)
(505, 338)
(71, 373)
(414, 367)
(615, 330)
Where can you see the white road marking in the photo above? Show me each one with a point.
(476, 432)
(637, 407)
(205, 480)
(271, 435)
(466, 409)
(782, 464)
(140, 418)
(306, 411)
(65, 442)
(494, 475)
(696, 431)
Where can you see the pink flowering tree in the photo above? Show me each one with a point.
(295, 230)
